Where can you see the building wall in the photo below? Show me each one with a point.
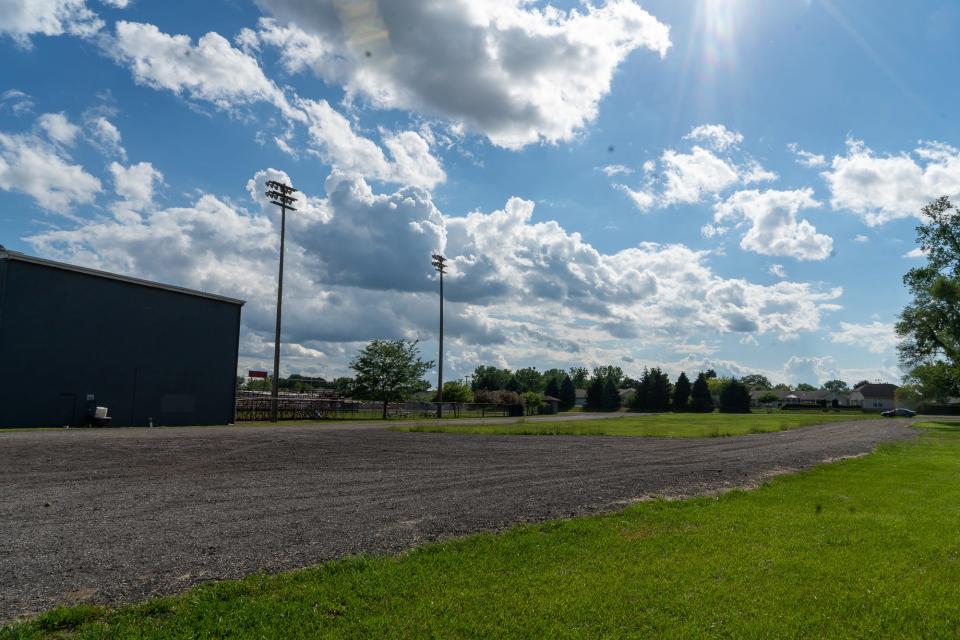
(143, 352)
(877, 404)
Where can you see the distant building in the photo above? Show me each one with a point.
(875, 397)
(73, 339)
(581, 400)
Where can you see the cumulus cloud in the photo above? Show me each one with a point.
(611, 170)
(641, 199)
(58, 128)
(860, 238)
(511, 71)
(21, 19)
(716, 136)
(689, 176)
(135, 186)
(30, 165)
(358, 265)
(875, 337)
(915, 253)
(774, 228)
(777, 270)
(881, 188)
(106, 137)
(811, 370)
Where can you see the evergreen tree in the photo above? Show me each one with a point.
(513, 384)
(735, 397)
(553, 389)
(700, 399)
(640, 398)
(658, 390)
(595, 394)
(568, 394)
(681, 393)
(611, 395)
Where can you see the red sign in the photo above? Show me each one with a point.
(256, 374)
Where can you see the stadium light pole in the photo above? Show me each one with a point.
(440, 264)
(279, 195)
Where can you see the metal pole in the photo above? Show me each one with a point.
(275, 409)
(440, 365)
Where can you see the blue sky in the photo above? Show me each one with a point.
(723, 183)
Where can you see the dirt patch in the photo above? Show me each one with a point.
(131, 513)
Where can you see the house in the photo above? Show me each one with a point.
(816, 398)
(550, 406)
(581, 400)
(875, 396)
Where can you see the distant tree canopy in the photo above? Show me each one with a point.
(497, 396)
(579, 376)
(490, 378)
(681, 393)
(552, 389)
(389, 370)
(929, 327)
(614, 373)
(568, 394)
(652, 391)
(836, 386)
(709, 373)
(735, 397)
(603, 392)
(528, 379)
(860, 384)
(700, 398)
(768, 398)
(803, 386)
(455, 391)
(756, 381)
(935, 382)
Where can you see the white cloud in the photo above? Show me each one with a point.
(211, 70)
(806, 158)
(884, 188)
(716, 136)
(511, 71)
(21, 19)
(860, 238)
(32, 166)
(774, 227)
(876, 337)
(135, 186)
(358, 268)
(691, 175)
(59, 128)
(777, 270)
(18, 102)
(106, 137)
(916, 252)
(117, 4)
(811, 370)
(641, 199)
(611, 170)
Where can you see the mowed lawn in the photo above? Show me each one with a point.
(671, 425)
(863, 548)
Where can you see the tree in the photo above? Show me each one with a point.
(735, 397)
(553, 374)
(658, 390)
(455, 391)
(929, 327)
(836, 386)
(513, 385)
(681, 393)
(936, 381)
(579, 377)
(490, 378)
(860, 384)
(628, 383)
(529, 379)
(568, 394)
(496, 396)
(641, 395)
(756, 381)
(610, 400)
(389, 370)
(700, 399)
(768, 398)
(609, 372)
(595, 394)
(803, 386)
(716, 385)
(909, 396)
(780, 386)
(553, 389)
(709, 373)
(532, 401)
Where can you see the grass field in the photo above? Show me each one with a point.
(863, 548)
(671, 425)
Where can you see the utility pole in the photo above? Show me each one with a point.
(279, 195)
(440, 264)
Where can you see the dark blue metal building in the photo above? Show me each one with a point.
(73, 338)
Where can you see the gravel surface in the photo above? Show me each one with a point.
(119, 515)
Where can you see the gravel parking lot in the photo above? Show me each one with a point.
(122, 514)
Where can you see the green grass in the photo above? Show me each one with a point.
(671, 425)
(864, 548)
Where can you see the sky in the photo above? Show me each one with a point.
(727, 184)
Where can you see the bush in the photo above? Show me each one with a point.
(483, 396)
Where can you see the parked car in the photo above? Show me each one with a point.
(900, 412)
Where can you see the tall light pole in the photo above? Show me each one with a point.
(440, 264)
(279, 195)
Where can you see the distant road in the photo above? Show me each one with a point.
(111, 515)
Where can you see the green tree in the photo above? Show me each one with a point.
(681, 393)
(756, 381)
(553, 374)
(803, 386)
(658, 390)
(929, 327)
(641, 396)
(529, 379)
(513, 385)
(595, 394)
(768, 398)
(735, 397)
(490, 378)
(909, 396)
(860, 384)
(610, 398)
(532, 401)
(579, 377)
(700, 398)
(568, 394)
(389, 370)
(936, 381)
(836, 386)
(455, 391)
(609, 372)
(553, 389)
